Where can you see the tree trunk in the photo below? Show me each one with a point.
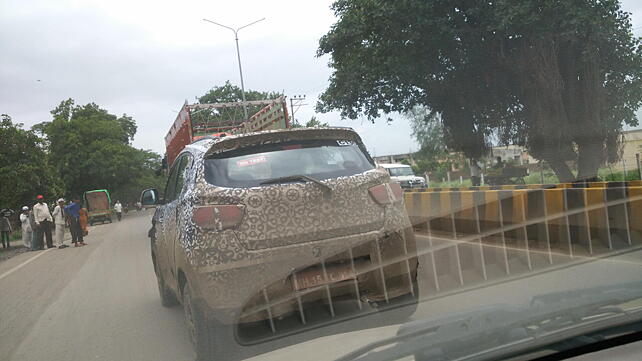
(561, 169)
(589, 159)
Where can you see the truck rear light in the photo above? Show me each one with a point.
(218, 217)
(386, 193)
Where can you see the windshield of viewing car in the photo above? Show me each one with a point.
(158, 201)
(401, 171)
(319, 159)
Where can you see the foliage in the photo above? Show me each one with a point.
(89, 148)
(312, 123)
(560, 78)
(146, 177)
(433, 156)
(535, 177)
(24, 171)
(631, 174)
(231, 93)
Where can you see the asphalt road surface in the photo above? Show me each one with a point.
(100, 302)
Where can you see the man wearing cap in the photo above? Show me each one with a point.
(59, 224)
(44, 222)
(26, 227)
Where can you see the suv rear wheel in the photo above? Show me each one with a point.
(211, 340)
(168, 298)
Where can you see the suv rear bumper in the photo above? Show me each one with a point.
(381, 266)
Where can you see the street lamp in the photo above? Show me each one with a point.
(238, 55)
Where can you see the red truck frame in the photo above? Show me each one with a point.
(272, 115)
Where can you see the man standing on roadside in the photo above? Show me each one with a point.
(73, 212)
(475, 173)
(25, 223)
(59, 223)
(44, 222)
(118, 208)
(5, 228)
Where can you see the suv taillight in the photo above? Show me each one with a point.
(386, 193)
(218, 217)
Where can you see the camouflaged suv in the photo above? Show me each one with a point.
(271, 232)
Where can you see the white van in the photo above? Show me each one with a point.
(404, 175)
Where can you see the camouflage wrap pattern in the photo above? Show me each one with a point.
(285, 226)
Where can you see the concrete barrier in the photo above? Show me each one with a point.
(635, 183)
(470, 236)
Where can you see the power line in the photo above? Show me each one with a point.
(297, 101)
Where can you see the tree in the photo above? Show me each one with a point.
(145, 177)
(90, 149)
(24, 172)
(433, 156)
(312, 123)
(428, 130)
(560, 78)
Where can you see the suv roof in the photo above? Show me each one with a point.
(281, 135)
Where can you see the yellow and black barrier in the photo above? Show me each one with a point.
(469, 236)
(635, 183)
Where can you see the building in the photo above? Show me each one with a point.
(512, 153)
(631, 145)
(395, 158)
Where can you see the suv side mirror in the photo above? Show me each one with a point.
(149, 197)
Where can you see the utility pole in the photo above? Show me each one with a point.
(298, 101)
(238, 55)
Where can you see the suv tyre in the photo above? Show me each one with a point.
(211, 340)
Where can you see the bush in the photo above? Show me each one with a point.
(619, 176)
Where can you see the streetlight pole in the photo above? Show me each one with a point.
(238, 55)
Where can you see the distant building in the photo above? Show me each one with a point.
(631, 145)
(512, 153)
(395, 158)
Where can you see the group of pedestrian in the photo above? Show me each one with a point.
(38, 224)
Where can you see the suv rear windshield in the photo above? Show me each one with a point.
(320, 159)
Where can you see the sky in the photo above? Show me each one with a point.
(145, 58)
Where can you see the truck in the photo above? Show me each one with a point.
(98, 204)
(196, 121)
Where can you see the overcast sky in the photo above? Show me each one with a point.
(144, 58)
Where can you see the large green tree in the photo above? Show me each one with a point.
(561, 78)
(24, 170)
(312, 123)
(89, 148)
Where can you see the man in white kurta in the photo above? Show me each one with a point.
(59, 224)
(26, 227)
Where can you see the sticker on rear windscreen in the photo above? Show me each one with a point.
(344, 143)
(251, 161)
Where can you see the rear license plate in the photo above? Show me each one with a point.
(314, 277)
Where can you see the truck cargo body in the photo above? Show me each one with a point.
(195, 121)
(98, 205)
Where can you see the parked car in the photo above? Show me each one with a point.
(403, 174)
(261, 227)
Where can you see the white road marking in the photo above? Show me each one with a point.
(23, 264)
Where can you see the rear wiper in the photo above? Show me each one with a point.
(501, 330)
(298, 177)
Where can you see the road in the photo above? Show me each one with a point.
(97, 302)
(100, 302)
